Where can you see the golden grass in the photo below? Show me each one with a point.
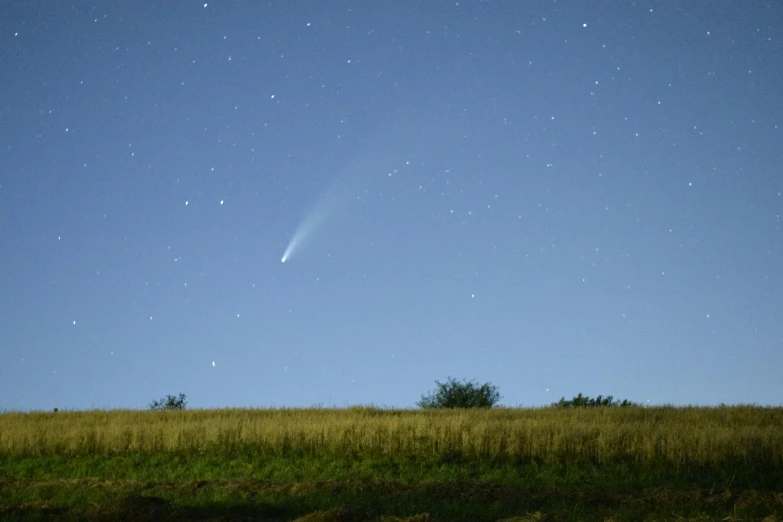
(746, 435)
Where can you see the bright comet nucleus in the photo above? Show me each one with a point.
(289, 249)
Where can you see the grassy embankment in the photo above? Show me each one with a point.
(632, 463)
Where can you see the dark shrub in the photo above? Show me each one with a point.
(169, 402)
(455, 394)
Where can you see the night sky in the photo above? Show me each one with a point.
(555, 197)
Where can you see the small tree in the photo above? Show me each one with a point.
(169, 402)
(455, 394)
(580, 401)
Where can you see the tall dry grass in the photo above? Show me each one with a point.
(740, 435)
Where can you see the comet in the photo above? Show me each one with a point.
(314, 220)
(289, 250)
(395, 140)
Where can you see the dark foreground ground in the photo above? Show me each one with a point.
(202, 487)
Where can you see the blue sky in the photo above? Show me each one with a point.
(555, 197)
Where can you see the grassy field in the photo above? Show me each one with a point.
(634, 463)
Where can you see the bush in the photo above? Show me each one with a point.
(581, 401)
(169, 402)
(455, 394)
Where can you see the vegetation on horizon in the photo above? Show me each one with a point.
(169, 402)
(455, 394)
(580, 401)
